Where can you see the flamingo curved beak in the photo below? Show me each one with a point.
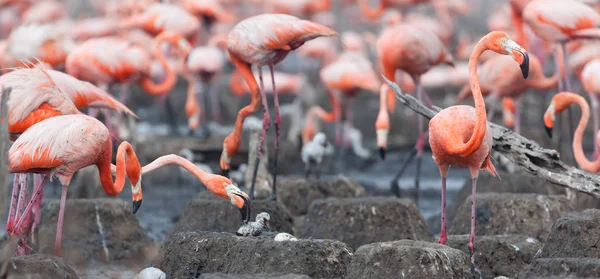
(382, 153)
(136, 205)
(548, 131)
(245, 210)
(525, 65)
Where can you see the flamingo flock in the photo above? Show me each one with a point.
(64, 71)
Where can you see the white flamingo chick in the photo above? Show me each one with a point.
(255, 228)
(314, 151)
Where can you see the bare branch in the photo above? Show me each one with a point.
(530, 156)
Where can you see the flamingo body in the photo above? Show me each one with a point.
(267, 39)
(559, 20)
(456, 125)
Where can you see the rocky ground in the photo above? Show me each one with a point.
(343, 232)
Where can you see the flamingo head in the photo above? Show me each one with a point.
(133, 169)
(500, 43)
(560, 102)
(239, 199)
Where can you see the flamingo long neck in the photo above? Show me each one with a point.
(182, 162)
(371, 13)
(171, 77)
(468, 148)
(105, 167)
(246, 72)
(582, 161)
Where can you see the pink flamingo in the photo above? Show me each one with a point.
(264, 40)
(109, 60)
(158, 18)
(204, 65)
(415, 51)
(61, 145)
(459, 136)
(34, 42)
(559, 21)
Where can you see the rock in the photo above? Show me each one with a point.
(562, 268)
(498, 255)
(205, 252)
(575, 235)
(219, 275)
(96, 229)
(408, 259)
(218, 215)
(296, 193)
(498, 214)
(519, 182)
(40, 266)
(359, 221)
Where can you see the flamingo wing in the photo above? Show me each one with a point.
(69, 140)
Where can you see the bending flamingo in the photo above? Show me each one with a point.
(264, 40)
(61, 145)
(459, 136)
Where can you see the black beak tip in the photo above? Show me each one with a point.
(225, 173)
(525, 66)
(245, 210)
(548, 131)
(136, 205)
(382, 153)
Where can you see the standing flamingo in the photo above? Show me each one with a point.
(351, 72)
(459, 136)
(560, 102)
(264, 40)
(414, 51)
(590, 77)
(61, 145)
(204, 65)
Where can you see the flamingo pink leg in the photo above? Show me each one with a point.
(338, 123)
(200, 97)
(567, 73)
(444, 175)
(421, 140)
(474, 174)
(27, 212)
(61, 215)
(12, 212)
(265, 128)
(277, 127)
(215, 104)
(492, 100)
(37, 206)
(349, 119)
